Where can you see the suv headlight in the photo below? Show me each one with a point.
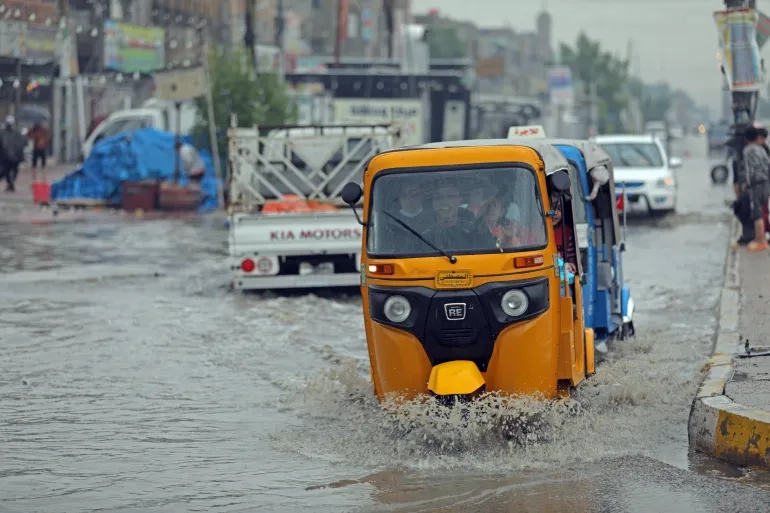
(514, 303)
(665, 182)
(397, 309)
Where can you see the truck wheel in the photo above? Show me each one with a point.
(719, 174)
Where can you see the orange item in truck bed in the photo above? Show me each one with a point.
(293, 204)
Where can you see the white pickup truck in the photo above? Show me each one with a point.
(288, 227)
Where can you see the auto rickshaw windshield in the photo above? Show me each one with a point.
(473, 210)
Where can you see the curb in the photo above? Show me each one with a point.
(718, 426)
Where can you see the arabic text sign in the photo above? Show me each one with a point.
(737, 32)
(531, 132)
(405, 112)
(181, 84)
(130, 48)
(40, 43)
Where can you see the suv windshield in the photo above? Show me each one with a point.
(634, 154)
(475, 210)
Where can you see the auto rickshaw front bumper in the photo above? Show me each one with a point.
(457, 378)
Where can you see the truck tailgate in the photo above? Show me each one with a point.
(295, 233)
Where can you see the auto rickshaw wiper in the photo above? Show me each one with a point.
(452, 259)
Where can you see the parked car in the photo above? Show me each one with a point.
(153, 114)
(643, 167)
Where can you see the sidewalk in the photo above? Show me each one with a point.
(730, 417)
(23, 194)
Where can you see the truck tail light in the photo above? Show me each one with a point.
(248, 265)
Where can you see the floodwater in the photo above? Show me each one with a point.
(132, 379)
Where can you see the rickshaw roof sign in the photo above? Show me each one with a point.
(528, 131)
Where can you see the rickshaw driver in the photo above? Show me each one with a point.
(410, 202)
(450, 231)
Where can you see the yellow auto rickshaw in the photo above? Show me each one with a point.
(463, 288)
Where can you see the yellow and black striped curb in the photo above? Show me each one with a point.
(719, 426)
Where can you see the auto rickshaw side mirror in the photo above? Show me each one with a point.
(351, 194)
(559, 181)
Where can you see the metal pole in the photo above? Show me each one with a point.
(279, 39)
(250, 35)
(178, 143)
(17, 84)
(212, 121)
(56, 120)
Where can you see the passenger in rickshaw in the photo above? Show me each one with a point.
(516, 232)
(560, 234)
(451, 231)
(490, 216)
(476, 200)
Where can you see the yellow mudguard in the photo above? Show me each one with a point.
(590, 358)
(461, 377)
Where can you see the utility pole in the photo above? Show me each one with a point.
(280, 22)
(250, 34)
(342, 20)
(388, 12)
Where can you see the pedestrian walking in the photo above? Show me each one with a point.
(41, 138)
(756, 181)
(12, 145)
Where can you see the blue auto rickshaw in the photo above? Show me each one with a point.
(607, 302)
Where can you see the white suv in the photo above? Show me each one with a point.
(641, 164)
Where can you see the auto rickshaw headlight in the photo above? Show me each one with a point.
(397, 309)
(514, 303)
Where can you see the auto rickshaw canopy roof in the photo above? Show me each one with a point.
(552, 159)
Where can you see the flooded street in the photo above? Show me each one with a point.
(133, 380)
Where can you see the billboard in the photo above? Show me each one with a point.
(367, 111)
(40, 43)
(12, 38)
(738, 37)
(560, 87)
(130, 48)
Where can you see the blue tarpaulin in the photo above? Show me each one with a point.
(145, 154)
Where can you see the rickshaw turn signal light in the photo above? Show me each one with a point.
(528, 261)
(384, 269)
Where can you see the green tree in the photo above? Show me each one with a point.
(445, 43)
(254, 99)
(654, 99)
(594, 67)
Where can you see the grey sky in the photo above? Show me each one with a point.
(674, 40)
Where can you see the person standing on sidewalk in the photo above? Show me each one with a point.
(41, 138)
(757, 182)
(12, 144)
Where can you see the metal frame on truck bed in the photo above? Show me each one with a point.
(287, 229)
